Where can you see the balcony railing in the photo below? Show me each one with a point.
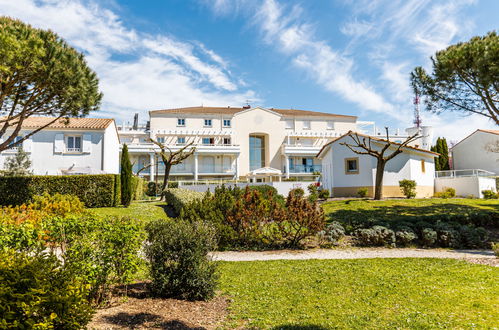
(462, 173)
(305, 168)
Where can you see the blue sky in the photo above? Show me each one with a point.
(340, 56)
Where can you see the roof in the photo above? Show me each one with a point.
(375, 139)
(233, 111)
(73, 123)
(491, 131)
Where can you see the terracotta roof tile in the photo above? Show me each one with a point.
(74, 123)
(233, 111)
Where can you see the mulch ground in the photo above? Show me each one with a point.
(141, 311)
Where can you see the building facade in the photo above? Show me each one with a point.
(480, 150)
(79, 146)
(260, 143)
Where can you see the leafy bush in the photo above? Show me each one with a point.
(405, 236)
(153, 189)
(178, 197)
(408, 188)
(36, 291)
(137, 188)
(57, 204)
(447, 193)
(333, 232)
(428, 237)
(495, 248)
(178, 259)
(324, 193)
(473, 237)
(376, 236)
(93, 190)
(489, 194)
(362, 192)
(298, 192)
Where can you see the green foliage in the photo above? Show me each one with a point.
(464, 78)
(178, 198)
(447, 193)
(362, 192)
(313, 192)
(324, 193)
(36, 291)
(376, 236)
(17, 165)
(93, 190)
(495, 248)
(333, 232)
(442, 161)
(408, 188)
(427, 293)
(39, 60)
(178, 259)
(490, 194)
(297, 192)
(144, 211)
(428, 237)
(137, 188)
(404, 236)
(126, 177)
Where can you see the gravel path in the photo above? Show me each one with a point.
(354, 253)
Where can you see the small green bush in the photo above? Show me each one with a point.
(178, 259)
(428, 237)
(405, 236)
(376, 236)
(137, 188)
(333, 232)
(297, 192)
(362, 192)
(489, 194)
(178, 197)
(36, 291)
(447, 193)
(324, 193)
(408, 188)
(495, 248)
(153, 189)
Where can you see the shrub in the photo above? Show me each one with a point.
(92, 190)
(297, 192)
(428, 237)
(447, 193)
(137, 188)
(126, 177)
(376, 236)
(178, 259)
(153, 189)
(36, 291)
(495, 248)
(333, 232)
(324, 193)
(473, 237)
(362, 192)
(405, 236)
(57, 204)
(408, 188)
(489, 194)
(178, 197)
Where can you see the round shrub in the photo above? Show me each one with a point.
(333, 232)
(376, 236)
(428, 237)
(178, 259)
(408, 188)
(362, 192)
(405, 236)
(324, 193)
(297, 192)
(473, 237)
(490, 194)
(37, 292)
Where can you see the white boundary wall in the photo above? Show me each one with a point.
(466, 185)
(283, 188)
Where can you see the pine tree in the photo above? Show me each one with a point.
(442, 161)
(126, 177)
(18, 165)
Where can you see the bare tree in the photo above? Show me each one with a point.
(171, 158)
(362, 145)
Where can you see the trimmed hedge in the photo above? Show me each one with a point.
(94, 190)
(178, 197)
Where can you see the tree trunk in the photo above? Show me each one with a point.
(168, 167)
(380, 170)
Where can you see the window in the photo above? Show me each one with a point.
(306, 124)
(181, 140)
(330, 124)
(289, 124)
(257, 152)
(207, 122)
(181, 122)
(227, 123)
(352, 165)
(208, 141)
(73, 143)
(423, 169)
(161, 139)
(226, 141)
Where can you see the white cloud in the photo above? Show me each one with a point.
(137, 71)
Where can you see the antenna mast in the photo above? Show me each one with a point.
(417, 117)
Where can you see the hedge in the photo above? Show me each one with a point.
(178, 197)
(93, 190)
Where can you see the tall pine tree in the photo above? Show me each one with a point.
(126, 177)
(442, 161)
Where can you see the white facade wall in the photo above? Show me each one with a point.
(111, 151)
(473, 153)
(466, 186)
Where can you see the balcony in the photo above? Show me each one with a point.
(300, 149)
(200, 148)
(310, 169)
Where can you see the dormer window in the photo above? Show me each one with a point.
(73, 143)
(207, 123)
(181, 122)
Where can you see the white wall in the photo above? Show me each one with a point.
(466, 186)
(472, 153)
(111, 154)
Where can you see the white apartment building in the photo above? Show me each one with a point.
(250, 142)
(79, 146)
(479, 150)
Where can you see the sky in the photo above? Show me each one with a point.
(351, 57)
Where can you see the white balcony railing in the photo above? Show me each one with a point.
(463, 173)
(73, 149)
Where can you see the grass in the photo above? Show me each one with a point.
(364, 293)
(142, 210)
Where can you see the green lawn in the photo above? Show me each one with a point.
(364, 293)
(388, 209)
(143, 210)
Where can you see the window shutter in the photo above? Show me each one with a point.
(87, 143)
(59, 144)
(27, 144)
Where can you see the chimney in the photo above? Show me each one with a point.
(247, 106)
(135, 122)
